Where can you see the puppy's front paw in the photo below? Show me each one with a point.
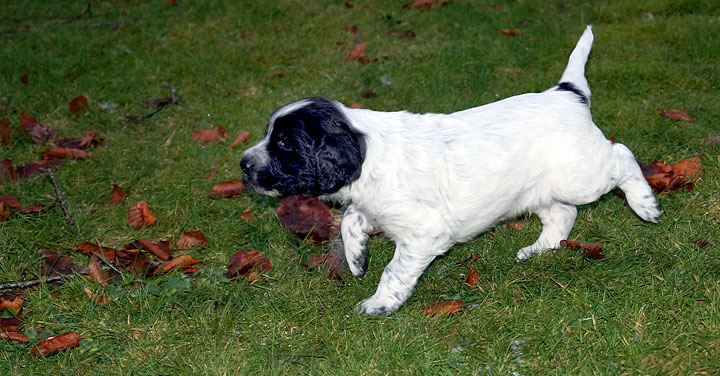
(378, 305)
(357, 265)
(525, 253)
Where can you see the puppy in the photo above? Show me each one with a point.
(432, 180)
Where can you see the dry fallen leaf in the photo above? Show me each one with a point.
(140, 215)
(36, 168)
(305, 215)
(117, 195)
(473, 278)
(4, 131)
(247, 215)
(55, 265)
(12, 302)
(89, 140)
(52, 345)
(90, 249)
(209, 136)
(240, 139)
(662, 177)
(37, 131)
(7, 171)
(14, 336)
(160, 249)
(243, 263)
(12, 202)
(58, 152)
(358, 53)
(10, 324)
(428, 4)
(592, 250)
(179, 262)
(191, 239)
(674, 114)
(350, 28)
(445, 308)
(24, 79)
(516, 226)
(97, 274)
(78, 104)
(511, 32)
(4, 213)
(227, 189)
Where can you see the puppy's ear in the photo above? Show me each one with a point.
(339, 157)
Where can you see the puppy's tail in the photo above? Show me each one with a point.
(573, 79)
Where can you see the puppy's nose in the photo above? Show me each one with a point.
(245, 165)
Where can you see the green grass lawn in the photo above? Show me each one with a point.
(652, 306)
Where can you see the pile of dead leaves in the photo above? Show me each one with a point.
(666, 178)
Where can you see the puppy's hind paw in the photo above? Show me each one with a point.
(525, 253)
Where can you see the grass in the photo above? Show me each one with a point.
(652, 306)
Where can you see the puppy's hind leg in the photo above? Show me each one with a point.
(354, 229)
(557, 221)
(637, 191)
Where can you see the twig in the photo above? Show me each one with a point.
(63, 203)
(159, 105)
(35, 282)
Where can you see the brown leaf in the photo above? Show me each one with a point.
(89, 140)
(11, 302)
(511, 32)
(90, 249)
(24, 79)
(78, 104)
(140, 215)
(160, 249)
(12, 202)
(171, 3)
(515, 226)
(689, 167)
(473, 278)
(117, 195)
(592, 250)
(305, 215)
(98, 298)
(14, 336)
(10, 324)
(97, 274)
(58, 152)
(179, 262)
(55, 265)
(209, 136)
(4, 131)
(358, 53)
(428, 4)
(445, 308)
(240, 139)
(350, 28)
(52, 345)
(662, 177)
(674, 114)
(4, 213)
(36, 168)
(191, 239)
(227, 189)
(37, 131)
(7, 171)
(243, 263)
(247, 215)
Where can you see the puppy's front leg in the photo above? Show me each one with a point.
(397, 282)
(354, 229)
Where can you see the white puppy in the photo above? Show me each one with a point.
(432, 180)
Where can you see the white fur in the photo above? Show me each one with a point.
(432, 180)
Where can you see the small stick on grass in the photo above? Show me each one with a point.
(35, 282)
(63, 203)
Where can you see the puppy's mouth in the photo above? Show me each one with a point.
(251, 184)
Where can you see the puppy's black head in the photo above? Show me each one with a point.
(310, 148)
